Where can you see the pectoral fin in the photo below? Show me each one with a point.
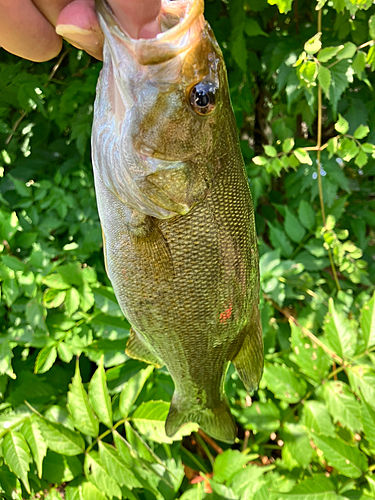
(137, 349)
(174, 189)
(249, 360)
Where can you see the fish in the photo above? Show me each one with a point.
(176, 212)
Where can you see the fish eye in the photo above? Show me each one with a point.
(202, 97)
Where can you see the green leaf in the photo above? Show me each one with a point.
(17, 456)
(302, 156)
(362, 381)
(327, 53)
(45, 359)
(306, 215)
(65, 352)
(260, 417)
(59, 469)
(317, 487)
(132, 390)
(227, 464)
(348, 460)
(37, 445)
(339, 83)
(116, 466)
(99, 396)
(96, 473)
(150, 417)
(72, 300)
(80, 407)
(296, 450)
(260, 160)
(368, 422)
(288, 145)
(56, 281)
(283, 382)
(368, 322)
(342, 405)
(284, 6)
(313, 45)
(310, 358)
(270, 151)
(347, 51)
(359, 64)
(342, 125)
(316, 419)
(371, 27)
(361, 132)
(252, 28)
(324, 78)
(293, 228)
(339, 333)
(279, 240)
(361, 159)
(61, 439)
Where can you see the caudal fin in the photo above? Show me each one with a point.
(217, 422)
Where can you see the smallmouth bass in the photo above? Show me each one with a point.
(176, 212)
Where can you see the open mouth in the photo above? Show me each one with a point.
(181, 24)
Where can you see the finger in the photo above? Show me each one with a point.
(78, 24)
(140, 19)
(25, 32)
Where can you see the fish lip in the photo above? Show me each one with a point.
(166, 45)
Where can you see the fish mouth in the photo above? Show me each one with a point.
(181, 24)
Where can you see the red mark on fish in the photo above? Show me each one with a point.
(224, 316)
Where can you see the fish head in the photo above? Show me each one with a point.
(166, 98)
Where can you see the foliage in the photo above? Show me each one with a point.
(79, 419)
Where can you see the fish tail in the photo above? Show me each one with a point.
(217, 422)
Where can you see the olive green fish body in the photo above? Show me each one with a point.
(177, 215)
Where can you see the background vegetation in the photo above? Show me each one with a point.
(93, 429)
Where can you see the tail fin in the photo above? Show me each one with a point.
(217, 422)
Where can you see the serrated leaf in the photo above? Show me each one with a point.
(317, 487)
(17, 456)
(342, 405)
(279, 240)
(59, 468)
(260, 417)
(348, 460)
(342, 125)
(339, 333)
(132, 390)
(310, 358)
(368, 422)
(324, 78)
(361, 159)
(327, 53)
(339, 83)
(72, 300)
(139, 445)
(97, 474)
(61, 439)
(347, 51)
(293, 228)
(368, 322)
(302, 156)
(227, 464)
(283, 382)
(117, 468)
(306, 215)
(297, 450)
(45, 359)
(65, 352)
(80, 407)
(313, 45)
(252, 28)
(35, 440)
(362, 381)
(361, 132)
(316, 419)
(99, 396)
(150, 417)
(359, 64)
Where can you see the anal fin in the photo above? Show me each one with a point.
(137, 349)
(249, 360)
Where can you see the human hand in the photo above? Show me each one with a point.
(33, 29)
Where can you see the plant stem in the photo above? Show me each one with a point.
(210, 441)
(205, 448)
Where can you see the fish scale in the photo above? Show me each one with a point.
(177, 216)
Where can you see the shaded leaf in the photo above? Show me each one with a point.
(132, 390)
